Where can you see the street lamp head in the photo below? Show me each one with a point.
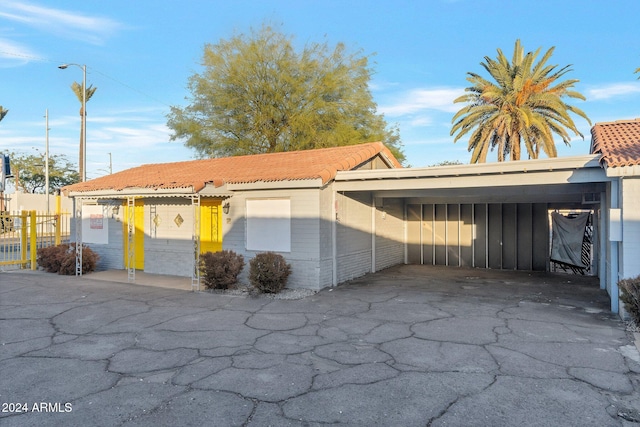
(63, 66)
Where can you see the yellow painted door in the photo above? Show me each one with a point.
(138, 237)
(210, 226)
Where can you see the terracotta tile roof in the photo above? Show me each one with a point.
(618, 142)
(293, 165)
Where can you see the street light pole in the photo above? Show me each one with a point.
(46, 157)
(83, 156)
(82, 164)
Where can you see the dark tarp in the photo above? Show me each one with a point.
(566, 240)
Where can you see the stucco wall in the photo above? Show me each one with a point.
(38, 202)
(630, 252)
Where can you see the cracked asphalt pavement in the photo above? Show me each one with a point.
(409, 346)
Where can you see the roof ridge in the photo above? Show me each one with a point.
(618, 121)
(321, 163)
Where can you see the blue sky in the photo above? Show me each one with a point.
(140, 53)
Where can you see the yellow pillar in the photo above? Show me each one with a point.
(23, 239)
(58, 223)
(34, 241)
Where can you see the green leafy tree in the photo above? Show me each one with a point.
(29, 169)
(637, 71)
(77, 90)
(3, 112)
(257, 94)
(523, 105)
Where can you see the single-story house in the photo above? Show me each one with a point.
(339, 213)
(160, 217)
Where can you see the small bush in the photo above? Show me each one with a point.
(220, 270)
(51, 257)
(268, 272)
(61, 259)
(631, 297)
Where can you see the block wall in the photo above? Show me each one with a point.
(390, 231)
(305, 231)
(354, 228)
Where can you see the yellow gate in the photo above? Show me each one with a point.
(23, 233)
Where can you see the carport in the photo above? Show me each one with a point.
(493, 215)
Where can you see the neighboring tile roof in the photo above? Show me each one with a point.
(618, 142)
(321, 164)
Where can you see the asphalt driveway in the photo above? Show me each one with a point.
(410, 346)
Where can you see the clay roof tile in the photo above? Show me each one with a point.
(618, 142)
(193, 175)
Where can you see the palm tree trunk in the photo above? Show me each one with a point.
(515, 144)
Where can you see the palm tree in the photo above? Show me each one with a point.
(3, 112)
(524, 104)
(637, 71)
(77, 90)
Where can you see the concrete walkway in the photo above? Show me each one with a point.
(145, 279)
(410, 346)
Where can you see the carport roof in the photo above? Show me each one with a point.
(618, 142)
(563, 181)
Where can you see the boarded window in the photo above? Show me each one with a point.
(269, 225)
(95, 225)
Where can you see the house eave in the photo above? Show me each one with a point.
(276, 185)
(623, 171)
(133, 192)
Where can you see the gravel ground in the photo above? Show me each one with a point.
(632, 327)
(285, 294)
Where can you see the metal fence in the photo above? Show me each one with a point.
(23, 233)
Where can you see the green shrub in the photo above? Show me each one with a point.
(61, 259)
(268, 272)
(631, 297)
(220, 270)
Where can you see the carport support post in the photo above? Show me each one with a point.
(78, 222)
(373, 234)
(195, 238)
(131, 241)
(602, 240)
(614, 260)
(334, 237)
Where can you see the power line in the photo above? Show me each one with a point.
(35, 58)
(17, 55)
(129, 87)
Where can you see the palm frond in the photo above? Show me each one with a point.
(521, 103)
